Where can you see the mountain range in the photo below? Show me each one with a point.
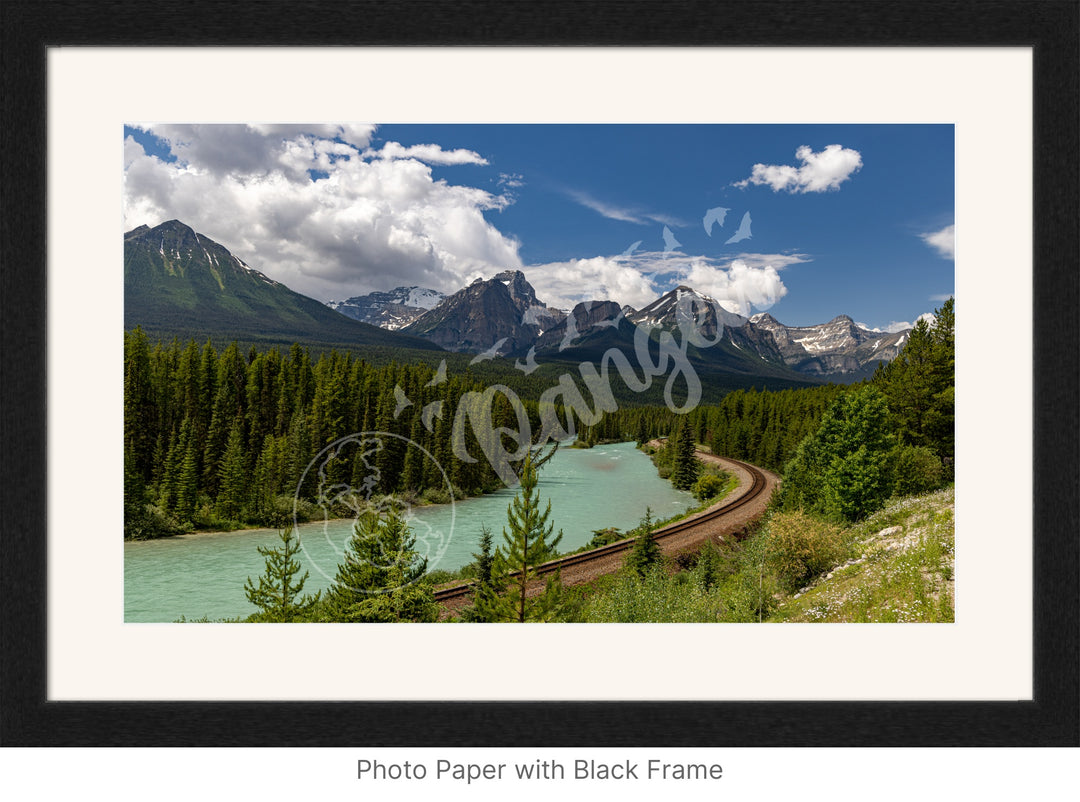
(503, 317)
(181, 283)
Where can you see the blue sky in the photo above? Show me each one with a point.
(845, 219)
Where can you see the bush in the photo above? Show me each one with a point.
(916, 469)
(800, 548)
(436, 495)
(709, 485)
(603, 537)
(153, 523)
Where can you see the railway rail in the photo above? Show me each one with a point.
(759, 485)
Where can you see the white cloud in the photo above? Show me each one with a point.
(942, 297)
(368, 225)
(897, 326)
(943, 241)
(739, 285)
(601, 278)
(511, 180)
(775, 260)
(819, 172)
(249, 149)
(626, 214)
(430, 154)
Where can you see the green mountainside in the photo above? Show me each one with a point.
(180, 283)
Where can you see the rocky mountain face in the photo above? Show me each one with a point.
(181, 283)
(840, 346)
(684, 306)
(391, 310)
(501, 315)
(583, 320)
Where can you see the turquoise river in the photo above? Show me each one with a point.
(203, 574)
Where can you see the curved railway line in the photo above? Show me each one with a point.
(697, 528)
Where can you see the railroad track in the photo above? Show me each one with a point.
(757, 487)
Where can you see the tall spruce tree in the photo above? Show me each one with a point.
(686, 466)
(487, 586)
(382, 577)
(646, 551)
(234, 475)
(527, 545)
(278, 594)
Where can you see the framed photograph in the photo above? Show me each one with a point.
(467, 235)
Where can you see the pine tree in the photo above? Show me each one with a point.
(234, 476)
(278, 595)
(686, 466)
(187, 485)
(527, 546)
(646, 552)
(487, 585)
(382, 577)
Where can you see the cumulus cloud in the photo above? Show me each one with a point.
(818, 172)
(601, 278)
(740, 285)
(511, 180)
(368, 224)
(943, 241)
(248, 149)
(430, 154)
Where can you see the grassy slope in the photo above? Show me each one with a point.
(899, 569)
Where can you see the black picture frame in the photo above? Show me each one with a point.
(1050, 719)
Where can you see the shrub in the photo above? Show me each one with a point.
(153, 523)
(801, 547)
(709, 485)
(604, 537)
(436, 495)
(916, 469)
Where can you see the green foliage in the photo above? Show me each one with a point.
(646, 551)
(710, 485)
(382, 576)
(217, 439)
(487, 585)
(842, 470)
(278, 594)
(603, 537)
(708, 569)
(801, 547)
(527, 544)
(919, 386)
(916, 469)
(150, 522)
(685, 465)
(655, 598)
